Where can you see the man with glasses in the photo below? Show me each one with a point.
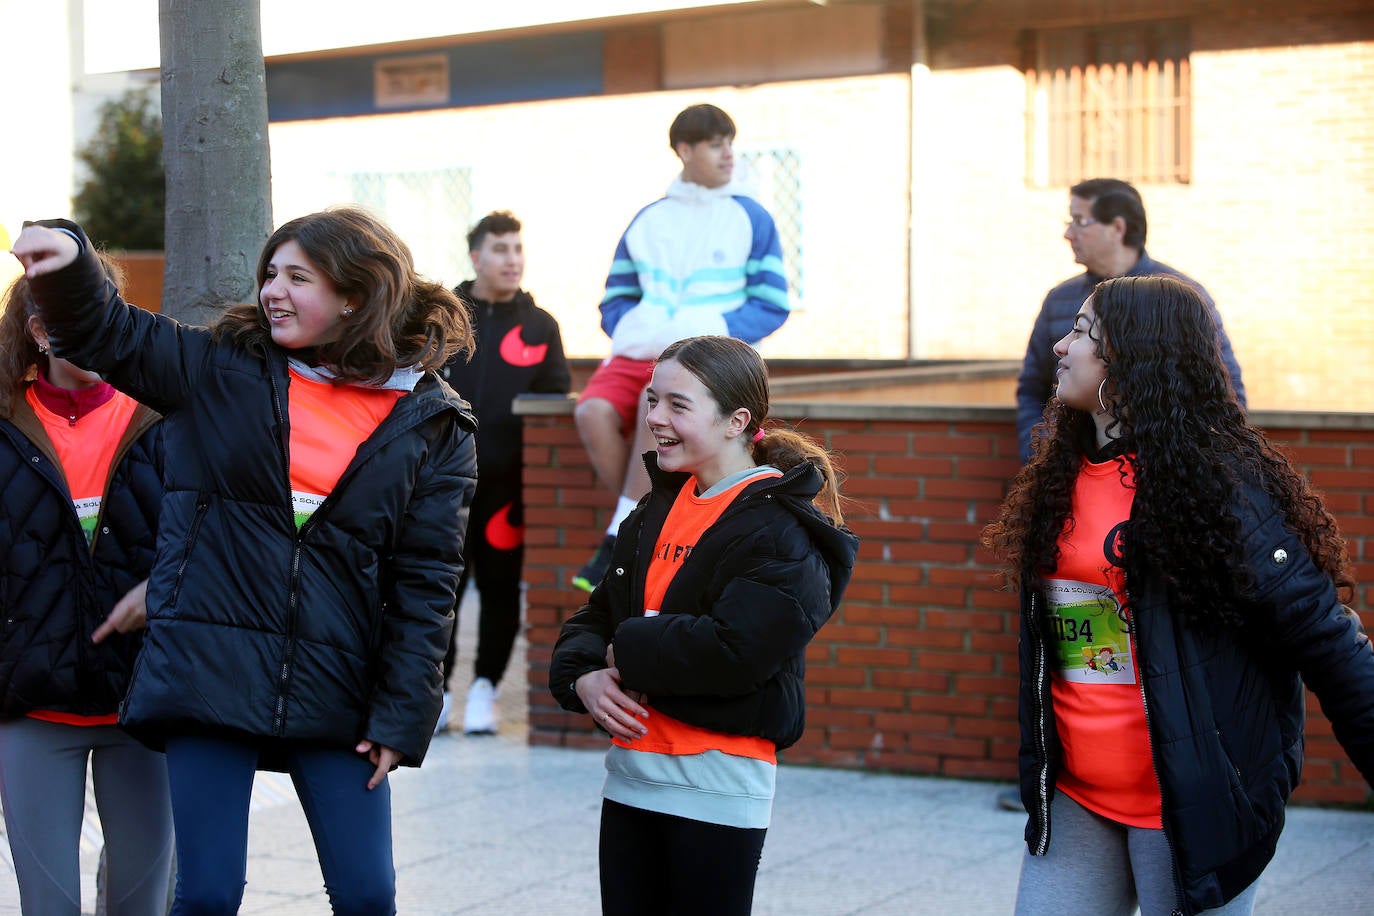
(1106, 230)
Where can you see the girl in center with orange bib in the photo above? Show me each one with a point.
(690, 652)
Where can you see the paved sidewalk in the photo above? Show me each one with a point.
(492, 826)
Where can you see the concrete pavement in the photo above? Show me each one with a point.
(492, 826)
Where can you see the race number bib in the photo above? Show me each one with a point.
(305, 505)
(88, 512)
(1088, 633)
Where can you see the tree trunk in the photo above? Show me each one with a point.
(214, 147)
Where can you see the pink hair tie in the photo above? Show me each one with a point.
(758, 435)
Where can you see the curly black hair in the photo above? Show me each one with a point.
(1186, 438)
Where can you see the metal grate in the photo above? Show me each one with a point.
(1109, 102)
(778, 175)
(430, 210)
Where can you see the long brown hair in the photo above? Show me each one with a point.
(19, 355)
(400, 319)
(737, 377)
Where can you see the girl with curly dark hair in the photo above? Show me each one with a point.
(1180, 581)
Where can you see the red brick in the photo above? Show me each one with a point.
(901, 616)
(829, 675)
(871, 443)
(873, 529)
(884, 572)
(848, 632)
(914, 467)
(907, 679)
(873, 658)
(922, 595)
(843, 738)
(866, 699)
(923, 638)
(964, 620)
(986, 728)
(1332, 479)
(953, 661)
(954, 747)
(913, 722)
(965, 488)
(928, 508)
(952, 445)
(999, 469)
(953, 705)
(964, 575)
(985, 685)
(829, 716)
(1319, 455)
(960, 532)
(993, 643)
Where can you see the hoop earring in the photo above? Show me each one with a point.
(1099, 396)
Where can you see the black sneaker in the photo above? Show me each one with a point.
(591, 574)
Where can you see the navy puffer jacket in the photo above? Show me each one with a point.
(328, 633)
(55, 587)
(1225, 709)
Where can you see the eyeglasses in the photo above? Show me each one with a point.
(1080, 222)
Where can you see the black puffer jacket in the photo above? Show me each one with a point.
(55, 588)
(1225, 709)
(727, 651)
(329, 633)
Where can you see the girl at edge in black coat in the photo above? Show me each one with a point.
(690, 651)
(318, 477)
(1180, 582)
(81, 495)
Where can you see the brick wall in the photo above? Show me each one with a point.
(917, 670)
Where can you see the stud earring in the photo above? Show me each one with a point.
(346, 312)
(42, 349)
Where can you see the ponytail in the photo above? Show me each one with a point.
(785, 448)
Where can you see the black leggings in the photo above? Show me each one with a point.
(660, 865)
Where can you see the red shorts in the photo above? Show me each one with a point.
(620, 381)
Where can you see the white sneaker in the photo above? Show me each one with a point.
(442, 724)
(479, 718)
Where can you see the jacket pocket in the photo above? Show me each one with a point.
(1237, 778)
(192, 532)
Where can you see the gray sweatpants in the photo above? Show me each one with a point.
(43, 790)
(1095, 865)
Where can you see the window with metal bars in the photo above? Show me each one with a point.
(777, 172)
(431, 210)
(1109, 101)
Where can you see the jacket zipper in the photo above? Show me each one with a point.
(293, 591)
(202, 506)
(284, 676)
(1040, 726)
(1154, 766)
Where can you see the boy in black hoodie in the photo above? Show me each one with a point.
(519, 351)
